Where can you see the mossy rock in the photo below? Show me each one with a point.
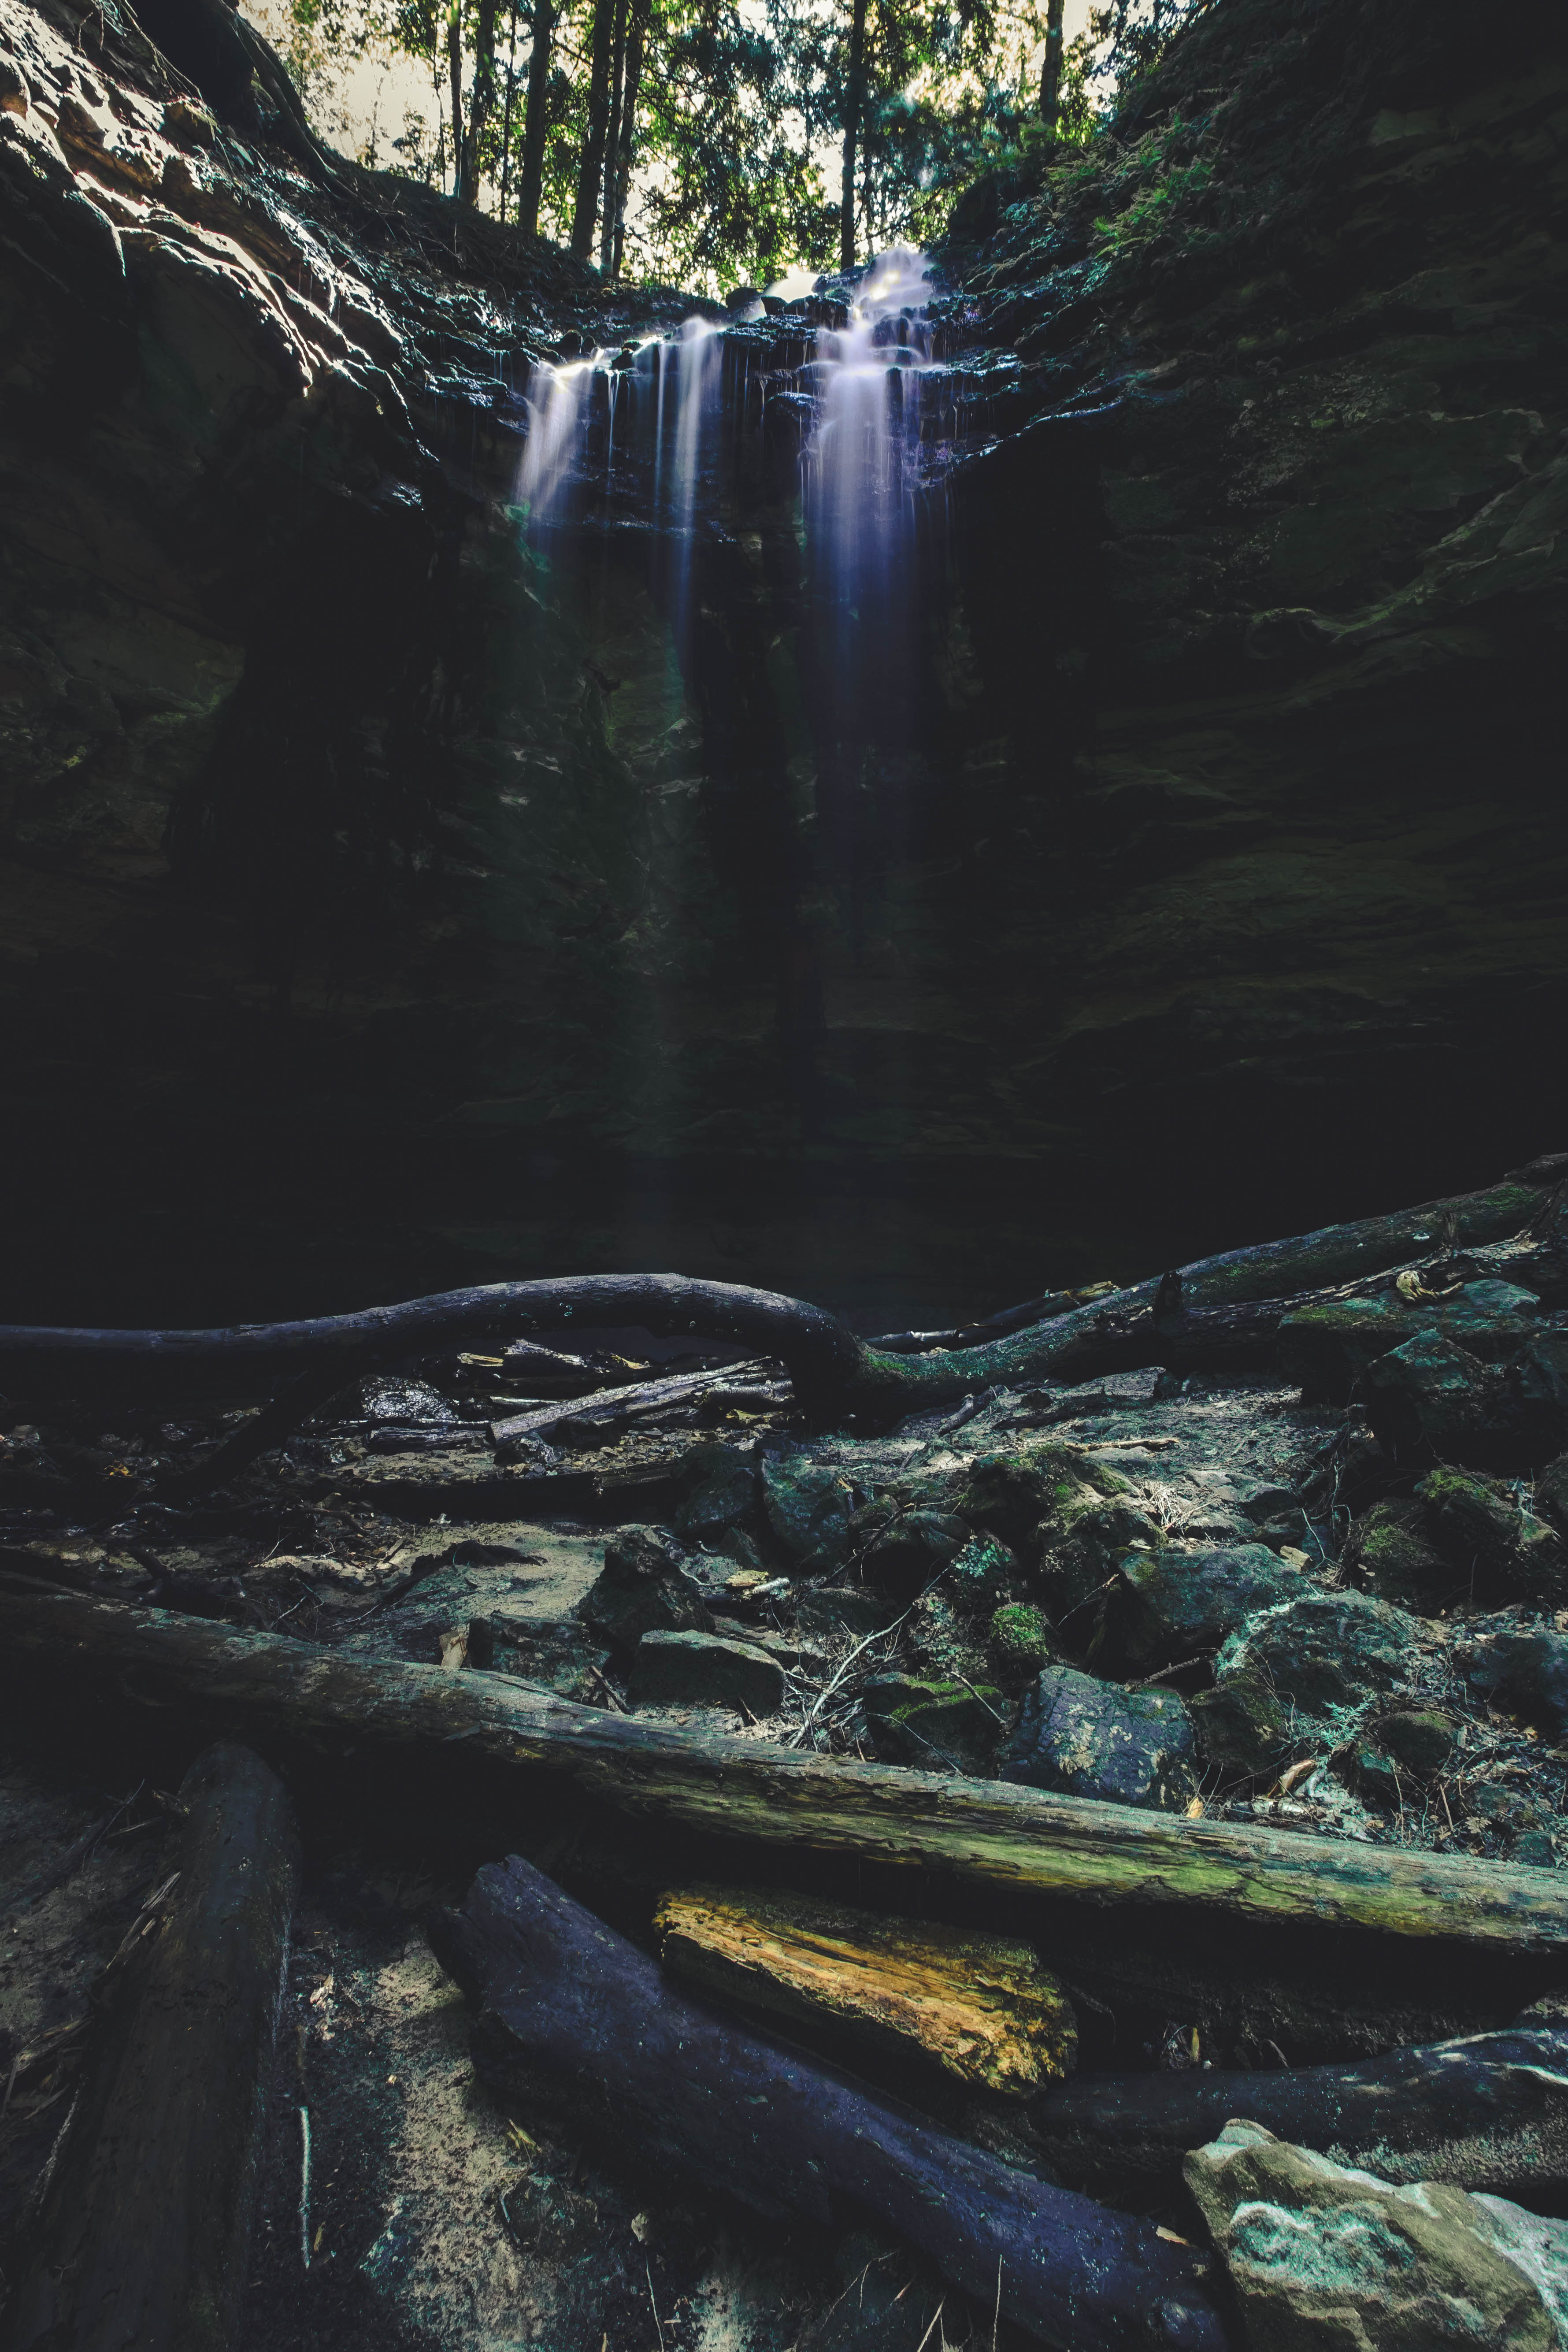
(1171, 1604)
(1324, 1655)
(809, 1506)
(1090, 1739)
(1419, 1738)
(1240, 1726)
(721, 1490)
(1022, 1639)
(1388, 1550)
(982, 1573)
(935, 1726)
(1077, 1568)
(1328, 1347)
(1033, 1497)
(1551, 1494)
(1478, 1526)
(911, 1549)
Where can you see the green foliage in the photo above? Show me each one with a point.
(740, 105)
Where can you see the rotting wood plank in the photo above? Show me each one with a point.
(143, 2232)
(305, 1706)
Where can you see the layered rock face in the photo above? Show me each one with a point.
(391, 900)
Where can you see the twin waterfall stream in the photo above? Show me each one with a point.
(841, 401)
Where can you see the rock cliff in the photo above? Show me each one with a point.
(386, 901)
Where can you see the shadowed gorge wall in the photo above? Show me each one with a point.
(391, 897)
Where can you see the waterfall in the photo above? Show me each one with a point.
(558, 422)
(860, 470)
(854, 371)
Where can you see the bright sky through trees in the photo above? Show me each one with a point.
(734, 112)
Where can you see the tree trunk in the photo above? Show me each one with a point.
(586, 218)
(144, 2230)
(102, 1665)
(635, 46)
(534, 126)
(854, 104)
(613, 139)
(482, 99)
(455, 75)
(1488, 2112)
(506, 119)
(647, 2070)
(1051, 68)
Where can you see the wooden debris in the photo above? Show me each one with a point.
(643, 2066)
(1487, 2112)
(144, 2228)
(65, 1656)
(981, 2006)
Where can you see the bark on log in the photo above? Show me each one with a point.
(305, 1706)
(1487, 2112)
(144, 2230)
(832, 1369)
(561, 1993)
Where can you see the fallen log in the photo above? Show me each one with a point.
(652, 2073)
(1487, 2112)
(306, 1707)
(833, 1370)
(143, 2232)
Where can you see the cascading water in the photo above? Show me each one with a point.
(862, 476)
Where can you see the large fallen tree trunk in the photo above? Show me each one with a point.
(661, 2078)
(144, 2228)
(1488, 2111)
(1173, 1319)
(307, 1707)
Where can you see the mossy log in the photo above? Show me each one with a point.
(144, 2228)
(568, 2006)
(90, 1662)
(981, 2008)
(1182, 1319)
(1485, 2111)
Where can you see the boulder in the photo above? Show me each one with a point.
(933, 1725)
(1323, 2258)
(911, 1549)
(1419, 1738)
(1328, 1347)
(1432, 1400)
(808, 1506)
(1088, 1738)
(1389, 1550)
(1171, 1604)
(1551, 1494)
(1081, 1564)
(1518, 1668)
(1324, 1652)
(722, 1489)
(1479, 1525)
(1033, 1498)
(644, 1587)
(704, 1670)
(1240, 1726)
(982, 1573)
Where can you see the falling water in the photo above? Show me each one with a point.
(861, 475)
(558, 421)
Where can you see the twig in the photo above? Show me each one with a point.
(996, 2315)
(648, 2268)
(1165, 1671)
(936, 2321)
(305, 2186)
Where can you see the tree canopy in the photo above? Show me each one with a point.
(715, 141)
